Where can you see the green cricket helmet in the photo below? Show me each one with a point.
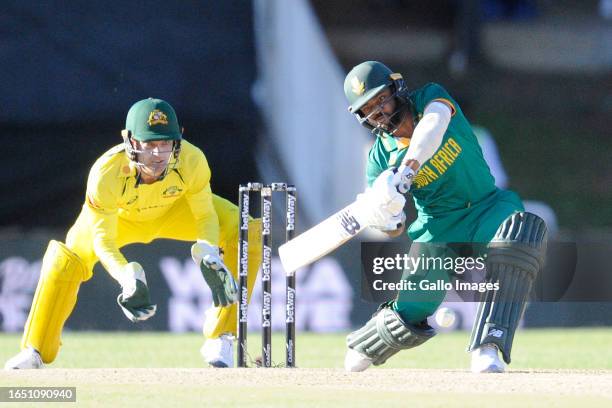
(151, 120)
(367, 80)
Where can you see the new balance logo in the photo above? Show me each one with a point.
(496, 333)
(349, 223)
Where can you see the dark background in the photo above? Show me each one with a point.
(70, 71)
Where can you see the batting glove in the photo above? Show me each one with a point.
(134, 299)
(217, 276)
(393, 223)
(381, 205)
(402, 178)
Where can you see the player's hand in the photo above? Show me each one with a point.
(217, 276)
(402, 178)
(384, 191)
(394, 223)
(134, 298)
(381, 205)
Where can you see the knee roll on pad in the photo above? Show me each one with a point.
(385, 334)
(61, 275)
(61, 264)
(514, 258)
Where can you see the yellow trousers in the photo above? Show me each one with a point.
(44, 324)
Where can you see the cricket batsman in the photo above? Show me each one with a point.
(426, 136)
(154, 185)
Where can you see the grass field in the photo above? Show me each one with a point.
(550, 368)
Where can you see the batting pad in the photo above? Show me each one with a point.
(515, 257)
(385, 334)
(61, 275)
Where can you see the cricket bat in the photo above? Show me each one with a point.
(321, 239)
(334, 231)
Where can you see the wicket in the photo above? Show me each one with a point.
(265, 191)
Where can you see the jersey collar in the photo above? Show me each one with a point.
(391, 143)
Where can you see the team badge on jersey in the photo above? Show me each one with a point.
(157, 117)
(171, 191)
(358, 87)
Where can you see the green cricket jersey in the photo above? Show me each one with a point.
(454, 192)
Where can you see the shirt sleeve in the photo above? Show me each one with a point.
(102, 201)
(199, 197)
(433, 92)
(374, 165)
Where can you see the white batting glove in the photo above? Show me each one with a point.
(382, 206)
(385, 217)
(384, 191)
(393, 223)
(403, 178)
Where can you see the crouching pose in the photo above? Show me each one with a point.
(153, 185)
(426, 135)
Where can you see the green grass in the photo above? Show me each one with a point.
(537, 349)
(571, 349)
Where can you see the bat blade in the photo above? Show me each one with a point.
(321, 239)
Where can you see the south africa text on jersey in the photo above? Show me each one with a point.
(438, 164)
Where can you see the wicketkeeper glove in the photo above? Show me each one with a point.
(217, 276)
(134, 299)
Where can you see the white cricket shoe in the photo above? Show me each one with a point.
(485, 359)
(219, 352)
(354, 361)
(27, 359)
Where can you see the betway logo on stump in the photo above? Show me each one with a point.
(290, 305)
(244, 262)
(244, 215)
(290, 213)
(267, 208)
(266, 264)
(267, 310)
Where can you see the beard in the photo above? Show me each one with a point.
(397, 118)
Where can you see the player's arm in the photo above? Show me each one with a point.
(205, 252)
(199, 198)
(101, 200)
(102, 197)
(382, 201)
(395, 227)
(426, 139)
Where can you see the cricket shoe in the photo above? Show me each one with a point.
(485, 359)
(27, 359)
(354, 361)
(219, 352)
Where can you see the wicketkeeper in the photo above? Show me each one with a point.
(425, 134)
(153, 185)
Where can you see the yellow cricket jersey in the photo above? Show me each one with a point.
(113, 193)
